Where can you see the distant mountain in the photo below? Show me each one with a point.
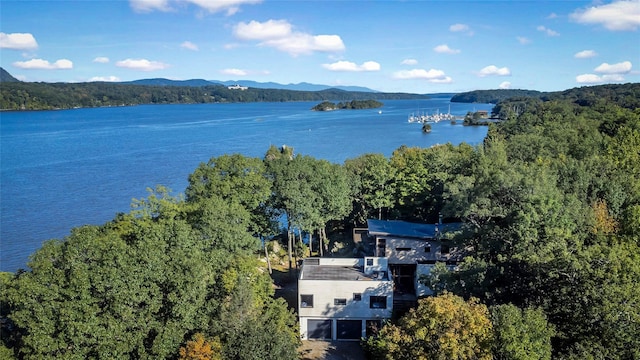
(303, 86)
(167, 82)
(6, 77)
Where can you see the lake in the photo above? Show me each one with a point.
(63, 169)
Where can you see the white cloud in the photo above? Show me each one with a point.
(40, 64)
(597, 79)
(230, 6)
(18, 41)
(609, 73)
(547, 31)
(616, 16)
(189, 46)
(552, 16)
(619, 68)
(105, 78)
(505, 85)
(493, 70)
(585, 54)
(149, 5)
(141, 64)
(523, 40)
(101, 59)
(352, 67)
(409, 62)
(445, 49)
(432, 75)
(279, 34)
(254, 30)
(234, 72)
(458, 27)
(213, 6)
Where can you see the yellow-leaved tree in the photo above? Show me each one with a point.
(442, 327)
(201, 349)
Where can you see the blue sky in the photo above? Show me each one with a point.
(409, 46)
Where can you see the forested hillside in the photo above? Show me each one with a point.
(625, 95)
(492, 96)
(550, 203)
(46, 96)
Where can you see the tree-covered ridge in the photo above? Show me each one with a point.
(44, 96)
(492, 96)
(625, 95)
(349, 105)
(551, 209)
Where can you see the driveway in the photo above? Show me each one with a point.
(331, 350)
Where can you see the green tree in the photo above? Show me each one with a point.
(234, 179)
(520, 334)
(373, 187)
(293, 195)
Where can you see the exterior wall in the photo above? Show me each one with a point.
(376, 265)
(416, 250)
(334, 327)
(421, 289)
(326, 291)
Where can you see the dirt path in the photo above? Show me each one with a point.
(331, 350)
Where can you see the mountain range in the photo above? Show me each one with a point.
(303, 86)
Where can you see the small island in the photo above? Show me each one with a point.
(353, 104)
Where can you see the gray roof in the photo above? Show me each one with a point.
(334, 272)
(409, 230)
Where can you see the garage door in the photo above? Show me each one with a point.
(349, 329)
(319, 329)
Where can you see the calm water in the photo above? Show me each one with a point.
(62, 169)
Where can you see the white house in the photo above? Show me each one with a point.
(343, 299)
(237, 87)
(347, 299)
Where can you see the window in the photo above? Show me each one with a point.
(444, 249)
(369, 262)
(378, 302)
(339, 301)
(306, 301)
(403, 249)
(357, 296)
(427, 248)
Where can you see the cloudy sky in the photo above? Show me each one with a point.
(410, 46)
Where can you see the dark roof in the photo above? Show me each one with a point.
(333, 272)
(409, 230)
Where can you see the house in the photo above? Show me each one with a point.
(343, 299)
(412, 249)
(347, 299)
(237, 87)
